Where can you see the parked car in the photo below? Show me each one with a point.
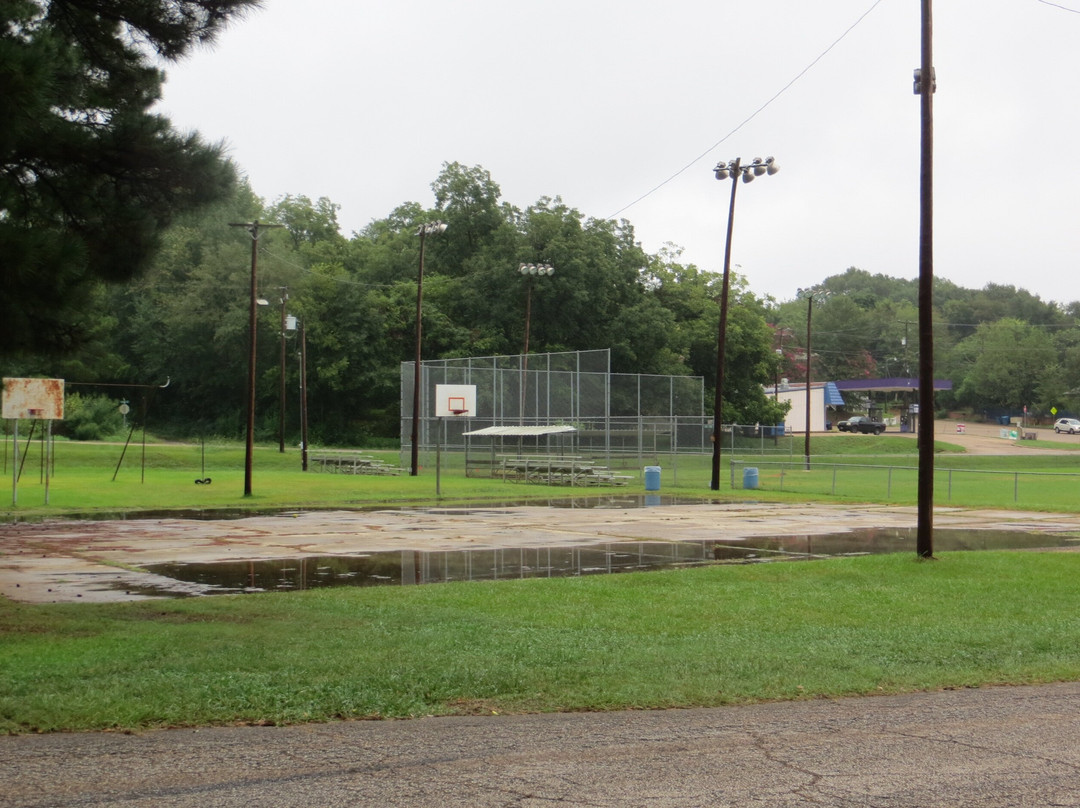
(1070, 425)
(862, 423)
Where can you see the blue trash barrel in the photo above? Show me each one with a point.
(749, 477)
(652, 478)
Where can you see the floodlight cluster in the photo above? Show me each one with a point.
(734, 168)
(536, 269)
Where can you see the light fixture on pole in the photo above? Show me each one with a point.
(423, 231)
(809, 295)
(732, 170)
(530, 271)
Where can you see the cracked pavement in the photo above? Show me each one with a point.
(70, 561)
(987, 747)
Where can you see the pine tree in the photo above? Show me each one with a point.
(89, 176)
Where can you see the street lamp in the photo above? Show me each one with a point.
(809, 295)
(731, 170)
(530, 271)
(424, 231)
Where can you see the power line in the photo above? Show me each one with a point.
(1058, 5)
(752, 115)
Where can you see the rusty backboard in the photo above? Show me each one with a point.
(41, 399)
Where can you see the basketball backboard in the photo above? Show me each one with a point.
(455, 400)
(41, 399)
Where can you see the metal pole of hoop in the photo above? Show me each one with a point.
(441, 437)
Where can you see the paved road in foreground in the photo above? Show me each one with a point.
(1016, 746)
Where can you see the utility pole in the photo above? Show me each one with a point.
(252, 228)
(925, 85)
(281, 386)
(303, 398)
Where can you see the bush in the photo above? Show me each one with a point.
(90, 418)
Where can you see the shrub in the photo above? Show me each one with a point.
(90, 418)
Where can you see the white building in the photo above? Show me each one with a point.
(822, 396)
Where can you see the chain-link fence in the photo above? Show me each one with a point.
(612, 415)
(610, 412)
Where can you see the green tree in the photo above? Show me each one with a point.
(89, 177)
(1006, 360)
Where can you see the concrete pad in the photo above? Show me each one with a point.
(87, 561)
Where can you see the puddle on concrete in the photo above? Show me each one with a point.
(422, 567)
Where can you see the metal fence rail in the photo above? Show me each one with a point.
(828, 478)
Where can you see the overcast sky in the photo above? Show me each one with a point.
(603, 101)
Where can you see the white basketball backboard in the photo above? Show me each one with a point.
(41, 399)
(455, 400)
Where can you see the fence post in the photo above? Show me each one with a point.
(834, 480)
(888, 487)
(1016, 487)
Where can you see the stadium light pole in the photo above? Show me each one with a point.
(809, 295)
(423, 231)
(732, 170)
(530, 271)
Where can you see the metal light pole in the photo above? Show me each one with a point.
(809, 294)
(781, 333)
(303, 398)
(424, 231)
(530, 271)
(281, 380)
(252, 228)
(731, 170)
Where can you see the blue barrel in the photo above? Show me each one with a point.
(652, 478)
(749, 477)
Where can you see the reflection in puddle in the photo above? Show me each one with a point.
(423, 567)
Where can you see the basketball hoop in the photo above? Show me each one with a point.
(459, 412)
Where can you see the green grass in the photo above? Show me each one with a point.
(700, 637)
(710, 636)
(847, 468)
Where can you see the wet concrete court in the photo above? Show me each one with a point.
(92, 561)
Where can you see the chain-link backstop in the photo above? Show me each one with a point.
(612, 413)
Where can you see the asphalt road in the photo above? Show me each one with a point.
(988, 747)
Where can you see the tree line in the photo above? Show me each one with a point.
(185, 319)
(122, 275)
(1002, 348)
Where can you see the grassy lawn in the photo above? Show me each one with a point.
(853, 468)
(705, 636)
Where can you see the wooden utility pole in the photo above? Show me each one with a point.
(253, 229)
(925, 86)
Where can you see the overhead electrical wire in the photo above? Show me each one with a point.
(1058, 5)
(752, 115)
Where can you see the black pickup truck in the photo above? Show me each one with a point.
(861, 423)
